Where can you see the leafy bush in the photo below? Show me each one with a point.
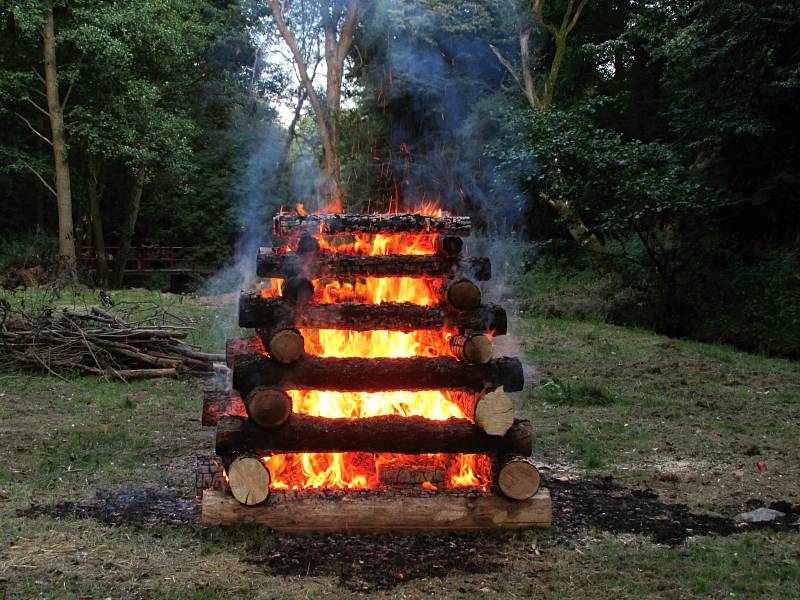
(27, 251)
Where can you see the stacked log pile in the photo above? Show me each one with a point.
(136, 343)
(255, 418)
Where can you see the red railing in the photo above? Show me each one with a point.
(145, 259)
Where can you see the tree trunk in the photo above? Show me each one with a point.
(293, 225)
(129, 225)
(66, 235)
(95, 191)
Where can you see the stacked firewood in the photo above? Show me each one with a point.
(133, 341)
(255, 417)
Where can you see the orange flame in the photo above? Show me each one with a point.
(358, 470)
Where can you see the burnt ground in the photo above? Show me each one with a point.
(364, 562)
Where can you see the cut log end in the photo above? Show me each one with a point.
(494, 412)
(269, 407)
(451, 245)
(518, 478)
(462, 294)
(475, 349)
(249, 480)
(285, 345)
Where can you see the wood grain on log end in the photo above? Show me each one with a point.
(494, 412)
(475, 349)
(518, 478)
(249, 480)
(269, 407)
(284, 345)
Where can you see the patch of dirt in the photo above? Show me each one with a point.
(368, 563)
(140, 507)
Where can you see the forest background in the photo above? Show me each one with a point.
(640, 156)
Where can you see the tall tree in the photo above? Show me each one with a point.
(539, 89)
(338, 21)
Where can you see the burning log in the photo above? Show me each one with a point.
(376, 374)
(283, 342)
(241, 347)
(491, 411)
(333, 224)
(475, 348)
(381, 512)
(218, 403)
(256, 311)
(412, 475)
(269, 407)
(308, 244)
(287, 265)
(387, 433)
(461, 294)
(249, 479)
(517, 477)
(298, 291)
(208, 475)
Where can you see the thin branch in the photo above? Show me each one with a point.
(33, 129)
(507, 64)
(577, 16)
(67, 95)
(40, 178)
(37, 107)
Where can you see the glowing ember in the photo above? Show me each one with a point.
(356, 470)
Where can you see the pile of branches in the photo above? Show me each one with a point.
(134, 341)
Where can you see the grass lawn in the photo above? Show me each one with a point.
(689, 421)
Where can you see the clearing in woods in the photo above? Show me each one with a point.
(650, 445)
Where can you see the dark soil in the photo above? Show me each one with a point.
(364, 562)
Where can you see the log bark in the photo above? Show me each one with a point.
(491, 411)
(289, 265)
(249, 478)
(219, 403)
(381, 512)
(461, 294)
(387, 433)
(255, 311)
(376, 374)
(269, 407)
(333, 224)
(412, 475)
(475, 349)
(517, 477)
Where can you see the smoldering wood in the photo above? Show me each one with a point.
(385, 512)
(407, 475)
(298, 291)
(242, 346)
(256, 311)
(335, 224)
(386, 433)
(218, 403)
(289, 265)
(416, 373)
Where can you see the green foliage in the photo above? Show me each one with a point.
(26, 251)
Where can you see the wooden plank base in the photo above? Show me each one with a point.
(381, 512)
